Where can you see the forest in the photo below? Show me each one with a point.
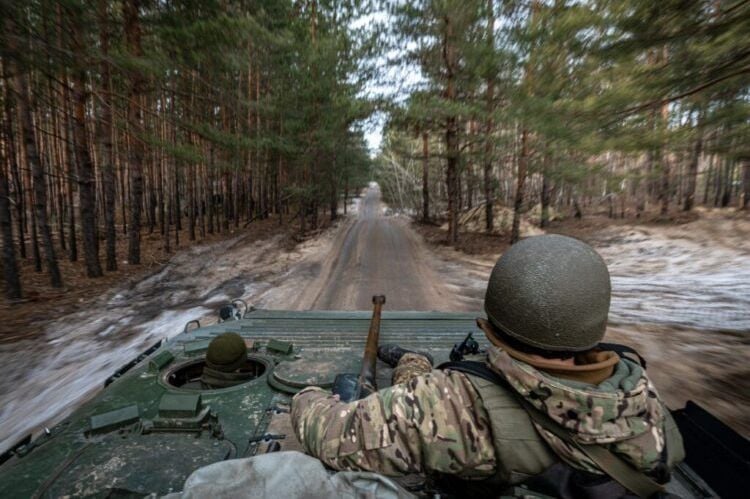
(630, 107)
(181, 118)
(122, 119)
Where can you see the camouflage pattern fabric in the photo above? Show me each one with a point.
(432, 423)
(409, 366)
(624, 413)
(437, 422)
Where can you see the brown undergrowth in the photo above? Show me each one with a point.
(24, 319)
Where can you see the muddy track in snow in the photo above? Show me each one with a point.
(375, 254)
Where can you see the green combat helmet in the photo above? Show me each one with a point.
(550, 292)
(226, 353)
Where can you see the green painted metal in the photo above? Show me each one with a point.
(179, 405)
(161, 360)
(282, 347)
(114, 419)
(150, 435)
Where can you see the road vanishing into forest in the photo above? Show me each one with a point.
(376, 254)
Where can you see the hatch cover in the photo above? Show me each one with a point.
(187, 375)
(312, 370)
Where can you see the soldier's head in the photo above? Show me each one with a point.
(549, 295)
(226, 353)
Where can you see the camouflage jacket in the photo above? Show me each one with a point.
(438, 423)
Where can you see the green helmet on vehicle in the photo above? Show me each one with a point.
(550, 292)
(226, 353)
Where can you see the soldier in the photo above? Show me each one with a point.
(225, 359)
(549, 408)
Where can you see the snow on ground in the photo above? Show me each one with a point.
(74, 365)
(691, 276)
(658, 279)
(46, 379)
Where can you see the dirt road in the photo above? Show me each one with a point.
(375, 254)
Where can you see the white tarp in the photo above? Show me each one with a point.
(284, 474)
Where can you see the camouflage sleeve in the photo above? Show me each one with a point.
(433, 423)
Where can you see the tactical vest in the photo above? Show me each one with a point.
(521, 451)
(524, 457)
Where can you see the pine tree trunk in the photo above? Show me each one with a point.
(451, 134)
(12, 160)
(10, 267)
(523, 160)
(546, 196)
(133, 38)
(73, 241)
(85, 172)
(489, 188)
(191, 202)
(40, 189)
(664, 185)
(57, 153)
(692, 175)
(745, 162)
(105, 139)
(425, 177)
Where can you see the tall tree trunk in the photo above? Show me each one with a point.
(546, 196)
(692, 175)
(69, 168)
(12, 159)
(135, 115)
(489, 188)
(10, 267)
(745, 162)
(451, 133)
(425, 177)
(85, 166)
(105, 139)
(664, 186)
(523, 163)
(34, 163)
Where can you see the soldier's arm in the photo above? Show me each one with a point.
(434, 422)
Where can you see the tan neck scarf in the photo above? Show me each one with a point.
(592, 367)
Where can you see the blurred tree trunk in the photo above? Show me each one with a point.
(546, 196)
(10, 267)
(489, 191)
(135, 116)
(692, 175)
(425, 177)
(37, 173)
(105, 138)
(12, 158)
(85, 165)
(451, 132)
(745, 162)
(523, 161)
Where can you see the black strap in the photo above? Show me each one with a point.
(612, 465)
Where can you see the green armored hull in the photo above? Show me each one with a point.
(154, 423)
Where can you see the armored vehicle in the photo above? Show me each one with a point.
(154, 422)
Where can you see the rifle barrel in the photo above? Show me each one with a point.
(367, 379)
